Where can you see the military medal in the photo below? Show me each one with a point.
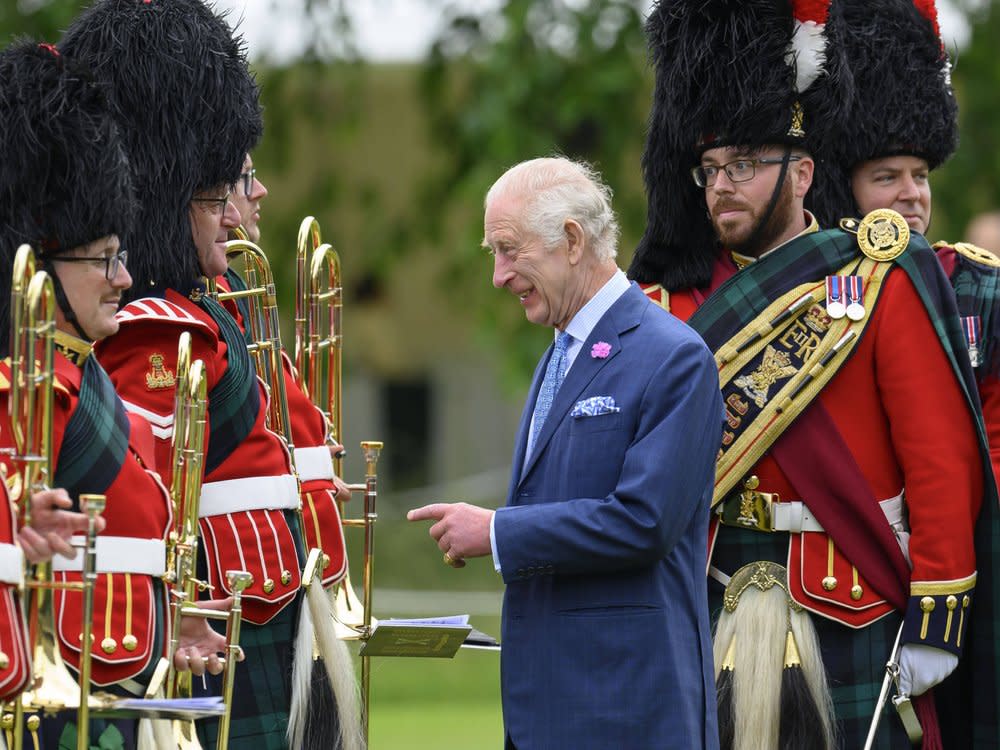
(855, 289)
(835, 297)
(972, 327)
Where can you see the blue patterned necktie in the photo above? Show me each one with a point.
(555, 371)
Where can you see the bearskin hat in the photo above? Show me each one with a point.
(902, 103)
(187, 106)
(728, 72)
(64, 176)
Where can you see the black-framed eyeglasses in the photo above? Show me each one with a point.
(216, 205)
(112, 263)
(738, 170)
(246, 181)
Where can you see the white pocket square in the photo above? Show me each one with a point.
(594, 406)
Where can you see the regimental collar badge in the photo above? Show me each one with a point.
(158, 376)
(74, 349)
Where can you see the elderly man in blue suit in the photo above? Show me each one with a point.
(602, 542)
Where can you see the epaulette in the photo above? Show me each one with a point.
(154, 308)
(657, 294)
(973, 252)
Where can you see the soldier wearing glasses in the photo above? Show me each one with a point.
(853, 461)
(64, 190)
(189, 116)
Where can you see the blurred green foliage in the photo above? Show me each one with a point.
(531, 78)
(39, 19)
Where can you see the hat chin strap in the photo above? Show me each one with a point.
(63, 301)
(773, 203)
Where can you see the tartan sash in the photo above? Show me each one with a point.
(774, 368)
(741, 300)
(96, 439)
(234, 402)
(747, 296)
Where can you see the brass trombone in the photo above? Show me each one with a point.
(185, 490)
(31, 410)
(318, 364)
(263, 328)
(261, 316)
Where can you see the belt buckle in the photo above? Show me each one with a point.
(750, 509)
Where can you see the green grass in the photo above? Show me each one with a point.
(420, 704)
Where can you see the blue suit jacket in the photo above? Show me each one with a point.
(602, 546)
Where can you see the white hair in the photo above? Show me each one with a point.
(557, 189)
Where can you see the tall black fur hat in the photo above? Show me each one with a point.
(903, 102)
(188, 108)
(64, 177)
(728, 72)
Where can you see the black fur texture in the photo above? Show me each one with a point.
(188, 108)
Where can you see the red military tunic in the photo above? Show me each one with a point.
(129, 624)
(899, 409)
(245, 498)
(15, 663)
(321, 517)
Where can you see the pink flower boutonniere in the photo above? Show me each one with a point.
(600, 350)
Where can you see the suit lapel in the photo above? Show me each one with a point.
(621, 317)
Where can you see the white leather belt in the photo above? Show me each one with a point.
(313, 463)
(249, 493)
(795, 517)
(11, 564)
(119, 554)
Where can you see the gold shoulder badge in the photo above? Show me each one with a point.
(977, 254)
(883, 234)
(158, 375)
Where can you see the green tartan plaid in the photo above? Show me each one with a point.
(810, 258)
(263, 690)
(96, 437)
(744, 296)
(235, 400)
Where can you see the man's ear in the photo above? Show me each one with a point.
(803, 175)
(575, 241)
